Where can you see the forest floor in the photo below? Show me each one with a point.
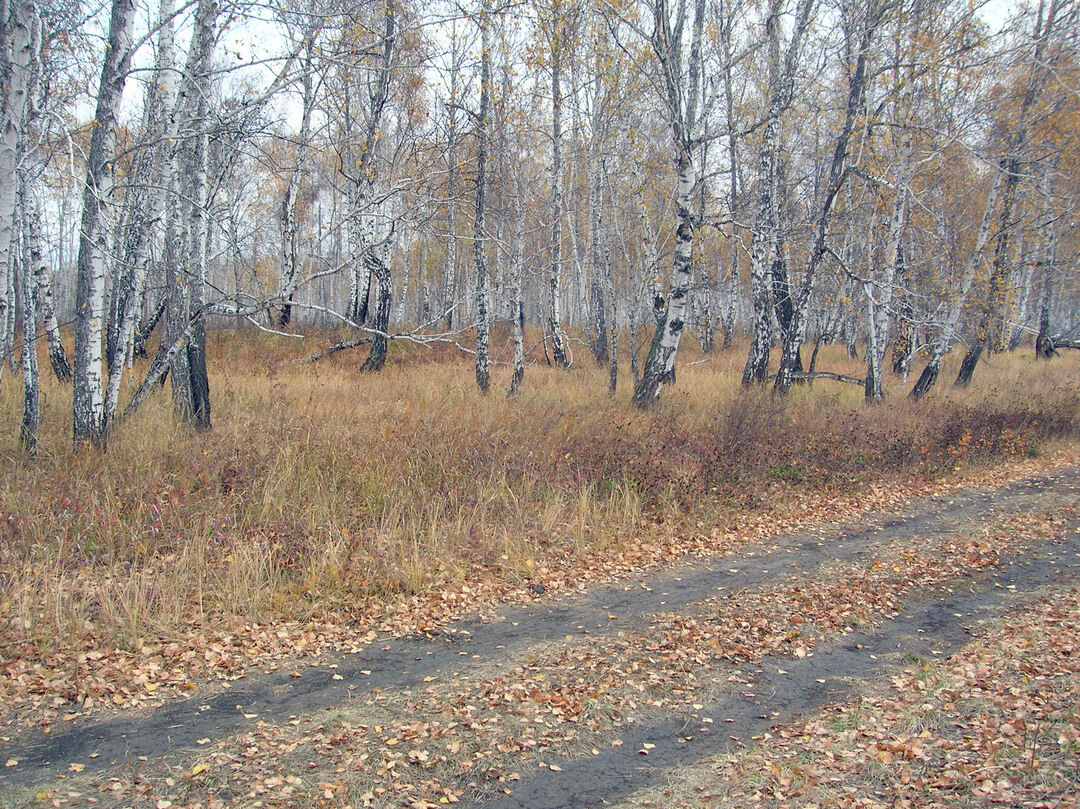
(923, 654)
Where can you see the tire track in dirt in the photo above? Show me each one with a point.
(935, 625)
(603, 610)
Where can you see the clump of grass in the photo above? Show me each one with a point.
(321, 487)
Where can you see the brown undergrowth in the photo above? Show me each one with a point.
(330, 503)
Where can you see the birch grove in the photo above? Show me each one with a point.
(896, 175)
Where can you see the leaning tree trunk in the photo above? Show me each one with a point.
(131, 279)
(1011, 167)
(930, 372)
(660, 365)
(88, 402)
(796, 332)
(37, 280)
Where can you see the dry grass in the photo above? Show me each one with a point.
(320, 487)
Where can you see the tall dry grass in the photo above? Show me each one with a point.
(320, 486)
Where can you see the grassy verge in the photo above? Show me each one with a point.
(326, 495)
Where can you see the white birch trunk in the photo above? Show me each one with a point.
(879, 294)
(483, 378)
(361, 175)
(555, 316)
(517, 274)
(16, 57)
(869, 22)
(683, 119)
(448, 283)
(185, 222)
(730, 283)
(28, 434)
(88, 405)
(651, 265)
(43, 288)
(355, 237)
(929, 374)
(290, 237)
(196, 190)
(765, 244)
(163, 97)
(406, 269)
(1048, 234)
(597, 309)
(1039, 73)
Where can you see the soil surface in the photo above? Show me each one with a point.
(932, 623)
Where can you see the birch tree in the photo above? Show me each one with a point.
(147, 203)
(1048, 237)
(366, 69)
(680, 65)
(912, 29)
(483, 380)
(765, 243)
(863, 22)
(186, 226)
(18, 19)
(290, 237)
(556, 24)
(1050, 18)
(452, 107)
(28, 433)
(45, 306)
(88, 406)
